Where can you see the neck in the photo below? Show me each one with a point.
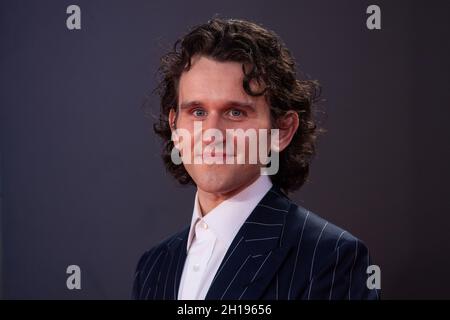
(209, 200)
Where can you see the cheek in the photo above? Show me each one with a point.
(183, 123)
(188, 128)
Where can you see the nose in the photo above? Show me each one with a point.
(215, 125)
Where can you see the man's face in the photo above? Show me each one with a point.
(211, 93)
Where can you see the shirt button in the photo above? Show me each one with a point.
(204, 225)
(196, 267)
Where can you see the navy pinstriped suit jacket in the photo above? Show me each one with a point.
(282, 251)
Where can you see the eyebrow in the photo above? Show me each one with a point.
(230, 103)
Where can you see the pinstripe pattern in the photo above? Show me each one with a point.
(351, 271)
(256, 274)
(226, 260)
(149, 273)
(334, 273)
(265, 224)
(234, 277)
(282, 251)
(177, 272)
(261, 239)
(309, 288)
(272, 208)
(315, 249)
(337, 241)
(167, 277)
(296, 256)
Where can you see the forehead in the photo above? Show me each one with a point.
(212, 80)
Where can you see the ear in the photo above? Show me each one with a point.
(172, 118)
(287, 125)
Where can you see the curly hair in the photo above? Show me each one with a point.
(271, 63)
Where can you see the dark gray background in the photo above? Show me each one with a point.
(81, 178)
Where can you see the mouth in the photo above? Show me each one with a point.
(214, 155)
(217, 155)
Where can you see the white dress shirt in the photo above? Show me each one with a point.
(210, 237)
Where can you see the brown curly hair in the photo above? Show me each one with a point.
(271, 63)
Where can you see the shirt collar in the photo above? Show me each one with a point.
(226, 219)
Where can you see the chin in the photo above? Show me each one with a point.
(216, 183)
(221, 178)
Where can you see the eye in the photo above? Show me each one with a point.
(198, 112)
(236, 113)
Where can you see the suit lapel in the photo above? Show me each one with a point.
(255, 253)
(252, 260)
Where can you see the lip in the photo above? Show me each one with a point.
(216, 155)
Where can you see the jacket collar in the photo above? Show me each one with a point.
(255, 254)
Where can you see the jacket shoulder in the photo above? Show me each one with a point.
(162, 246)
(317, 231)
(333, 261)
(149, 259)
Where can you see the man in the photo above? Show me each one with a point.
(246, 240)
